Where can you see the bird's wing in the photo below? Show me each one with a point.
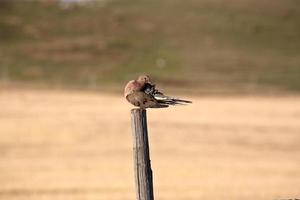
(149, 89)
(172, 100)
(160, 97)
(143, 100)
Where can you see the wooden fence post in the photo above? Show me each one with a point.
(142, 165)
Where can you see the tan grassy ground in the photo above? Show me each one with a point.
(76, 145)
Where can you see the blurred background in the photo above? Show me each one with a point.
(65, 127)
(214, 46)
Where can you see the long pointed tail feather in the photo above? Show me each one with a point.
(160, 105)
(171, 101)
(182, 100)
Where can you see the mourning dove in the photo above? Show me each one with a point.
(142, 93)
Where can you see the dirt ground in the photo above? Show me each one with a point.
(78, 145)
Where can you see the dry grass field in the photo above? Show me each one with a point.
(78, 146)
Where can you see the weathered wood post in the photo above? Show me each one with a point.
(142, 165)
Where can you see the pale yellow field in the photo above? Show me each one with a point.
(78, 146)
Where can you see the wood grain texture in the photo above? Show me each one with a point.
(142, 163)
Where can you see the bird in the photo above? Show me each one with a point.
(143, 93)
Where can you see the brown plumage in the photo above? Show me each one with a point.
(142, 93)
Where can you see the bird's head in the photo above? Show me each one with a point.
(144, 79)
